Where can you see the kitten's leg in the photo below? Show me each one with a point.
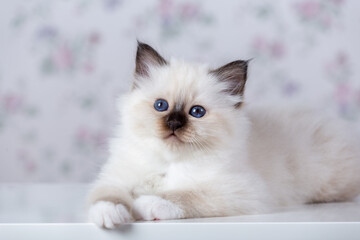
(197, 204)
(193, 204)
(151, 207)
(109, 206)
(176, 205)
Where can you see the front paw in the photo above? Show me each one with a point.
(156, 208)
(108, 214)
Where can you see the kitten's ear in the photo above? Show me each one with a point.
(147, 57)
(235, 74)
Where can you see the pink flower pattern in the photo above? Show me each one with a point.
(321, 13)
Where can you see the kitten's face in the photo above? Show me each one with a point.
(182, 105)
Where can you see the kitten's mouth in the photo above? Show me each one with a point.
(173, 137)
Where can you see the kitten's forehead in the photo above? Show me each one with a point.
(182, 82)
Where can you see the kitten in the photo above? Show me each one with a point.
(189, 147)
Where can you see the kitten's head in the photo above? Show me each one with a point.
(183, 105)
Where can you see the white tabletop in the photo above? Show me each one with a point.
(56, 211)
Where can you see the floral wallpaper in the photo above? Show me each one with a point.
(63, 64)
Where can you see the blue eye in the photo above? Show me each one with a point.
(197, 111)
(161, 105)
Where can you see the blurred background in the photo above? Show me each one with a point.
(64, 63)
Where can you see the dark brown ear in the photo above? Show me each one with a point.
(147, 57)
(235, 74)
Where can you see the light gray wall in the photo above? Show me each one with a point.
(63, 63)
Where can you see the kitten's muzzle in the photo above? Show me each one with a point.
(176, 120)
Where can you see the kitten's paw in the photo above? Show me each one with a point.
(108, 214)
(156, 208)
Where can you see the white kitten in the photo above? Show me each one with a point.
(187, 146)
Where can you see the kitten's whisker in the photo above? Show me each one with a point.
(201, 145)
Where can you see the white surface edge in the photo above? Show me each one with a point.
(174, 231)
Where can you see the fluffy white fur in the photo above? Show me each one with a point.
(245, 160)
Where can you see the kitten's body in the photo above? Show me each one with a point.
(236, 159)
(302, 156)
